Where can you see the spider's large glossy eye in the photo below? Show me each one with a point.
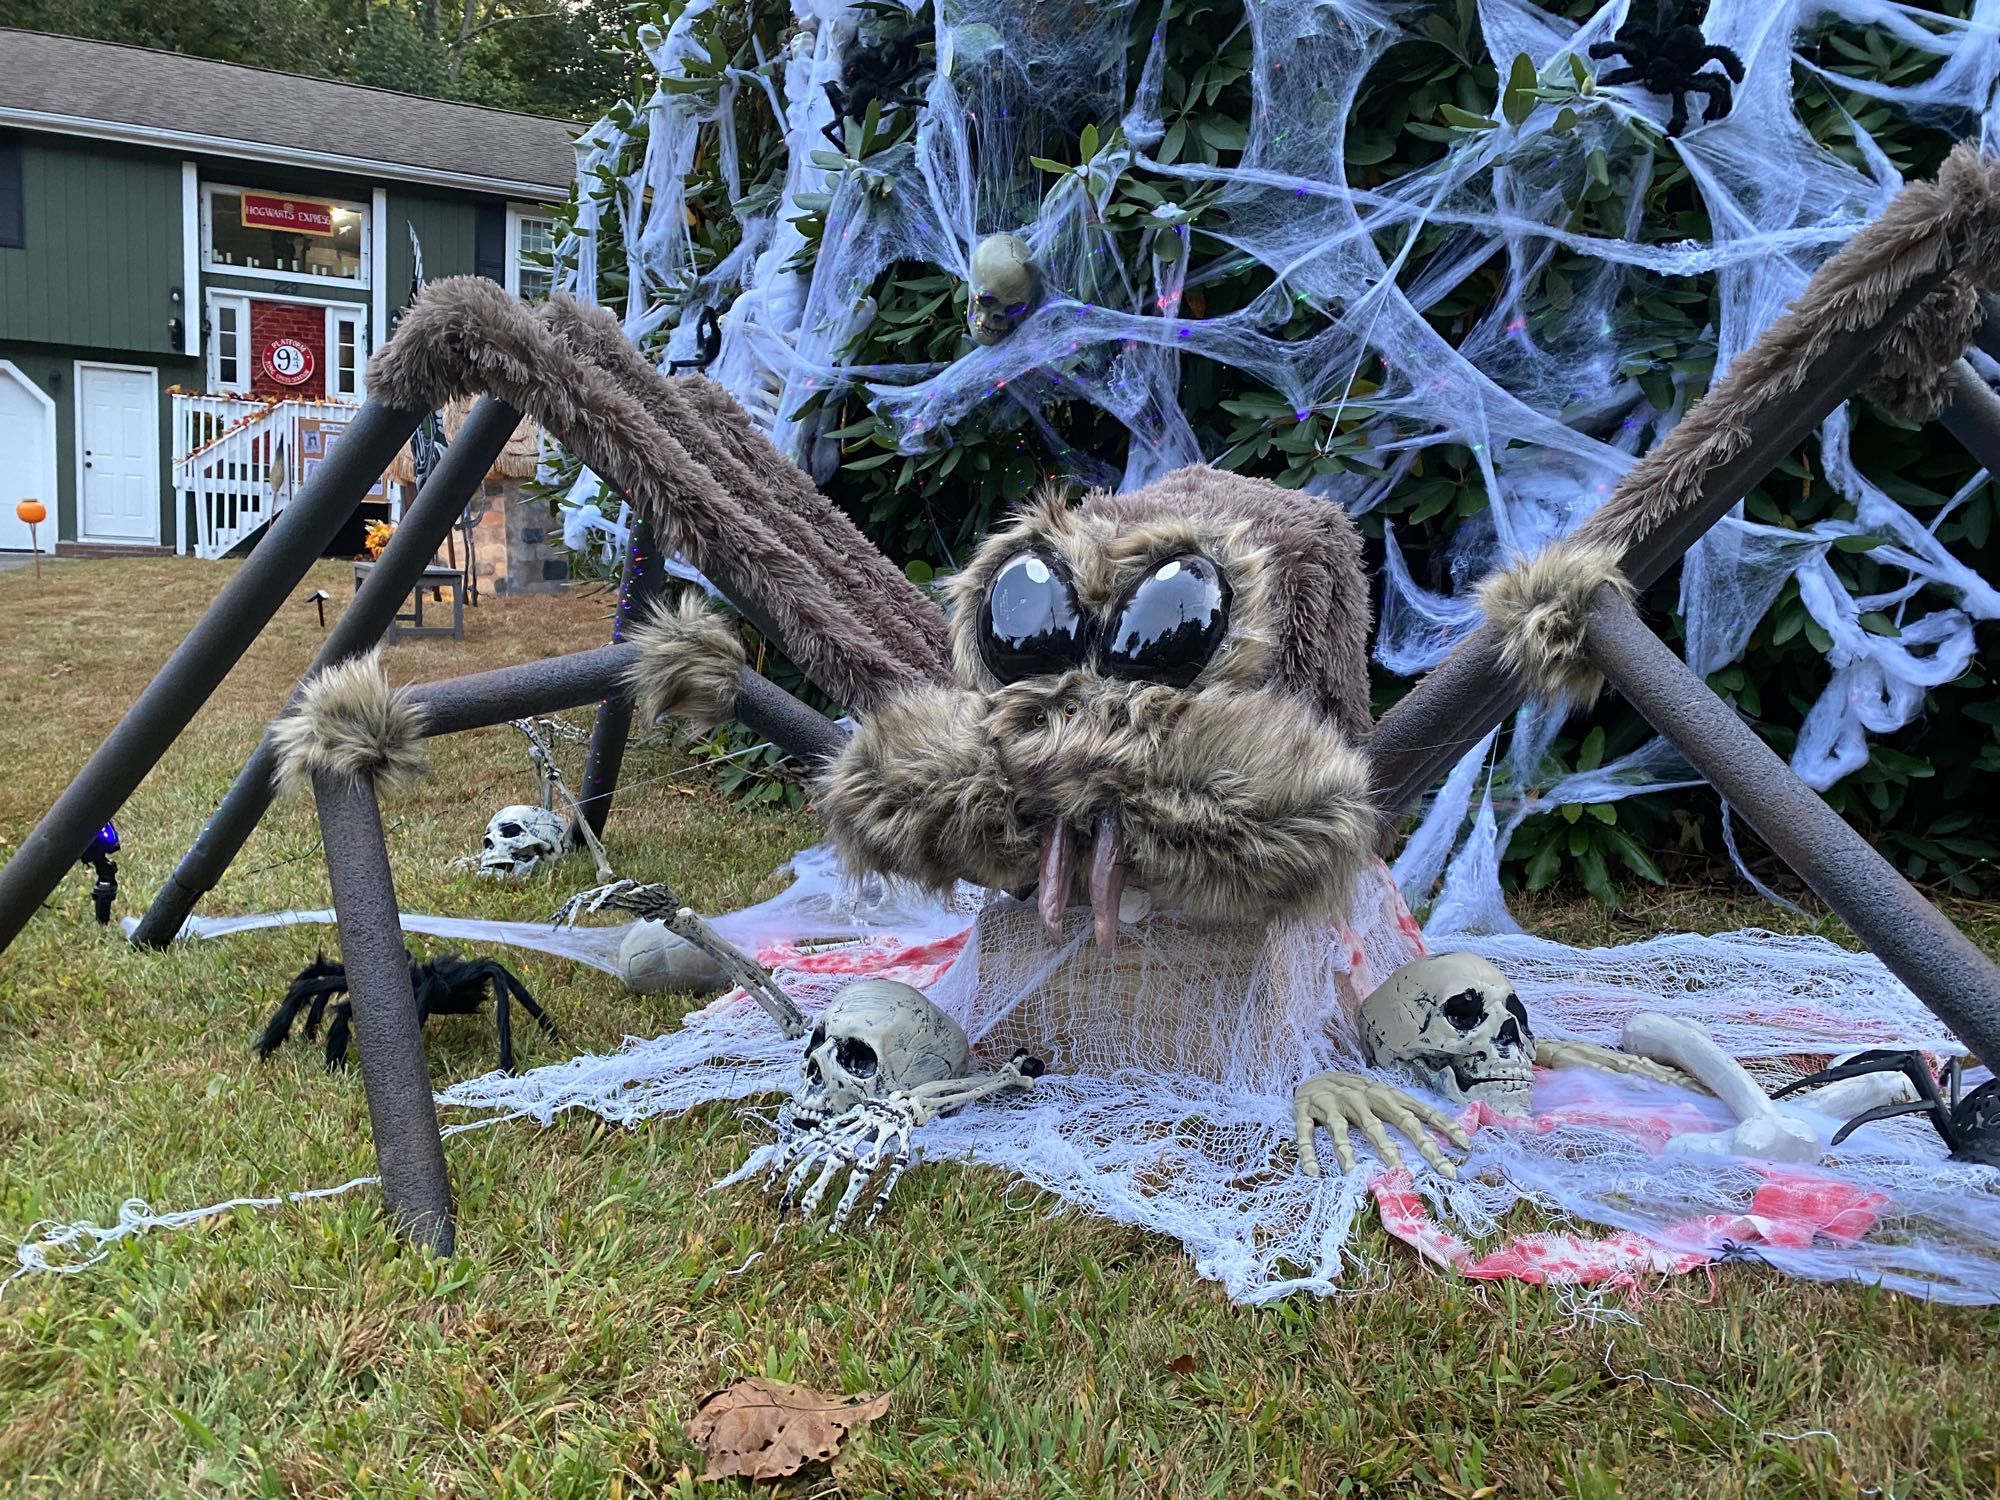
(1169, 623)
(1029, 624)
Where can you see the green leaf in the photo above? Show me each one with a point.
(1464, 119)
(1518, 101)
(1861, 543)
(1604, 812)
(1632, 856)
(1877, 623)
(1049, 166)
(1088, 142)
(1590, 755)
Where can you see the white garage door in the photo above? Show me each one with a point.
(27, 458)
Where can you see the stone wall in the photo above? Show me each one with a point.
(516, 548)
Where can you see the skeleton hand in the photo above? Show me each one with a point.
(872, 1139)
(1608, 1060)
(1337, 1100)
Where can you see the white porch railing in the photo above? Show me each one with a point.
(240, 460)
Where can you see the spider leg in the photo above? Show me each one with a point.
(835, 130)
(528, 1003)
(1940, 1119)
(503, 1021)
(1716, 88)
(1878, 1060)
(1622, 75)
(1731, 63)
(1614, 48)
(336, 1036)
(1678, 120)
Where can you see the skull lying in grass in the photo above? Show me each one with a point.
(877, 1038)
(1455, 1025)
(519, 840)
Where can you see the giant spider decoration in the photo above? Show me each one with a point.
(445, 986)
(879, 73)
(1969, 1126)
(1666, 58)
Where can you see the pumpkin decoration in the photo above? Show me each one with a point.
(31, 511)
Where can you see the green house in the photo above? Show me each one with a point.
(196, 259)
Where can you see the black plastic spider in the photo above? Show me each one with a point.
(1667, 58)
(445, 986)
(707, 343)
(884, 72)
(1969, 1126)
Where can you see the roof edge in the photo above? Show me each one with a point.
(291, 156)
(241, 67)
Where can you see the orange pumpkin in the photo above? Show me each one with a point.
(31, 511)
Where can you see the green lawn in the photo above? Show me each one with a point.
(600, 1292)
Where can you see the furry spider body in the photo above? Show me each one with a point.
(445, 986)
(1668, 59)
(1969, 1125)
(875, 74)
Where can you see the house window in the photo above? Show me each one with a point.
(228, 343)
(280, 237)
(346, 353)
(13, 215)
(530, 248)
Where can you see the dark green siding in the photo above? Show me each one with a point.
(448, 228)
(53, 368)
(103, 252)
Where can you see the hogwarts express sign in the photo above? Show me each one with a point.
(295, 215)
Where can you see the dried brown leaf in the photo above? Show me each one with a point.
(770, 1429)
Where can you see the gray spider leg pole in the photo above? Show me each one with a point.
(484, 699)
(1470, 693)
(402, 1116)
(755, 979)
(1915, 940)
(608, 736)
(170, 701)
(422, 530)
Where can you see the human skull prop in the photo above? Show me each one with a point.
(878, 1037)
(1455, 1025)
(519, 839)
(1005, 287)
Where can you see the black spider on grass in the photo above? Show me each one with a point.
(445, 986)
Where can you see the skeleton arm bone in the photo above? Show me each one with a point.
(1554, 1054)
(1764, 1130)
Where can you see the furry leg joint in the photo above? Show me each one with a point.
(1541, 606)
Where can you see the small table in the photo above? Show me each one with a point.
(410, 621)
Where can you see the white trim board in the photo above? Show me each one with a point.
(378, 288)
(152, 372)
(190, 259)
(286, 156)
(50, 529)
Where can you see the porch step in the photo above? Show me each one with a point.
(111, 549)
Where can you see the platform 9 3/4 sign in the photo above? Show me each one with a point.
(288, 362)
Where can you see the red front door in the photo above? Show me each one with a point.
(287, 349)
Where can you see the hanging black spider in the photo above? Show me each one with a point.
(881, 71)
(707, 343)
(1666, 58)
(445, 986)
(1969, 1126)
